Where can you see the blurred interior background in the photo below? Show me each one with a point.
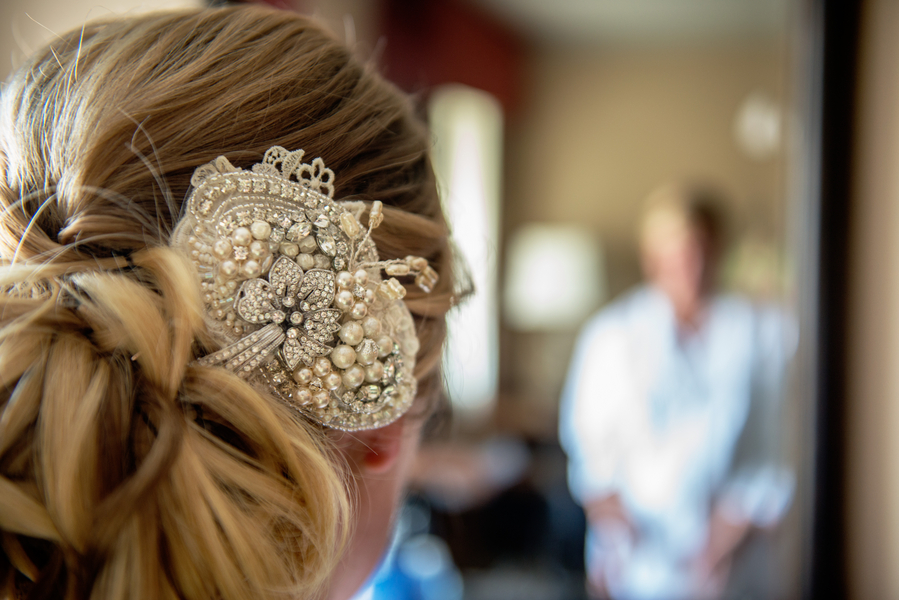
(552, 122)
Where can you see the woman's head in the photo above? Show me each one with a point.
(127, 469)
(681, 236)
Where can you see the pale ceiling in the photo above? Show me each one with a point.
(610, 22)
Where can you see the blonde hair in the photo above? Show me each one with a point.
(678, 208)
(126, 471)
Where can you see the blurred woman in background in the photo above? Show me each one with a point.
(671, 416)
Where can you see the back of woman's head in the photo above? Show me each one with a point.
(125, 469)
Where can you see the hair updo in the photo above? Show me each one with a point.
(126, 471)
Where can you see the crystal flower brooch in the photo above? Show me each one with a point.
(292, 287)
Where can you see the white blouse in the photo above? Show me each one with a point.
(675, 423)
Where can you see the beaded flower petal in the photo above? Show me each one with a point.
(293, 290)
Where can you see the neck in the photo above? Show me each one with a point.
(689, 311)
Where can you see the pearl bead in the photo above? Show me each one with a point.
(361, 277)
(376, 214)
(354, 376)
(289, 249)
(242, 236)
(322, 366)
(343, 356)
(321, 398)
(369, 296)
(427, 279)
(392, 289)
(345, 280)
(305, 261)
(360, 309)
(228, 268)
(397, 270)
(222, 248)
(374, 372)
(344, 300)
(385, 346)
(258, 250)
(332, 380)
(371, 326)
(350, 225)
(251, 268)
(303, 375)
(199, 229)
(351, 333)
(367, 355)
(261, 230)
(322, 261)
(308, 245)
(303, 395)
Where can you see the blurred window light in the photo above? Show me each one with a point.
(467, 126)
(555, 277)
(758, 126)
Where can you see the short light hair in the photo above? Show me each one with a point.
(681, 207)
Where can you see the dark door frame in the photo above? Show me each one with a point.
(828, 69)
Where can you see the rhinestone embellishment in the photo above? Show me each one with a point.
(293, 289)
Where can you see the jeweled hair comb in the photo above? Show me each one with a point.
(292, 285)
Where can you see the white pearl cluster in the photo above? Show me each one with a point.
(246, 252)
(357, 358)
(352, 372)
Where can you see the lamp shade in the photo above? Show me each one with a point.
(555, 277)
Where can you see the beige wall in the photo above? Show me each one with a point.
(599, 130)
(25, 25)
(873, 395)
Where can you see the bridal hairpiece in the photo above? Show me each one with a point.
(292, 285)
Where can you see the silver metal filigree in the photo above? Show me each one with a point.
(293, 291)
(293, 299)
